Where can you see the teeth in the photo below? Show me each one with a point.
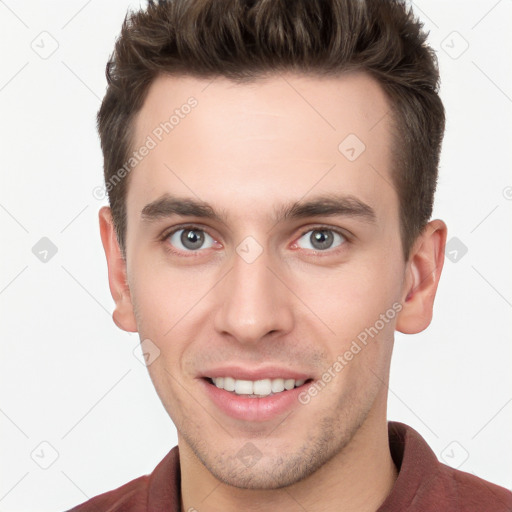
(277, 385)
(256, 388)
(289, 384)
(243, 387)
(262, 387)
(229, 383)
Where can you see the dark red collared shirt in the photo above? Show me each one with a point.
(423, 484)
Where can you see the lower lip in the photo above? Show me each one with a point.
(244, 408)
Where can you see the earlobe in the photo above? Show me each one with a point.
(422, 278)
(123, 314)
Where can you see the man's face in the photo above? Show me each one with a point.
(259, 294)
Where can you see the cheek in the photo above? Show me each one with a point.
(161, 294)
(351, 298)
(171, 308)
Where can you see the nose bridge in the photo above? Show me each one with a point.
(254, 302)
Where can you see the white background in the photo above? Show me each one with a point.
(70, 377)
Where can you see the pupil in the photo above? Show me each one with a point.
(322, 239)
(192, 239)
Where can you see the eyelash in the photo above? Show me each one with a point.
(191, 254)
(328, 252)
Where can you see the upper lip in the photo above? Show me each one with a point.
(268, 372)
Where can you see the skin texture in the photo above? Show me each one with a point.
(249, 150)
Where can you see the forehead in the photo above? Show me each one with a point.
(263, 142)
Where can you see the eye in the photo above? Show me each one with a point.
(320, 239)
(190, 239)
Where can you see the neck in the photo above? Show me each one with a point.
(359, 478)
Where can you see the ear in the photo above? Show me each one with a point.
(123, 315)
(422, 274)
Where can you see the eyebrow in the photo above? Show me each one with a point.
(324, 205)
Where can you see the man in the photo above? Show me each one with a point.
(271, 168)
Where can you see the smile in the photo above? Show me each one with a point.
(254, 400)
(256, 388)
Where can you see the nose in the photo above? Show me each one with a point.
(254, 301)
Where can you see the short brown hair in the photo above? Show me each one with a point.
(246, 39)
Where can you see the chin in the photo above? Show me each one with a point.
(274, 474)
(272, 467)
